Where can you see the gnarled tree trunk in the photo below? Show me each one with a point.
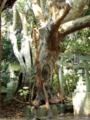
(56, 22)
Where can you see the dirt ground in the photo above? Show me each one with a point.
(59, 117)
(12, 110)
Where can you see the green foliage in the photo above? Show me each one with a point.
(31, 21)
(7, 51)
(33, 77)
(55, 81)
(23, 5)
(24, 91)
(5, 75)
(19, 37)
(88, 12)
(7, 15)
(70, 80)
(77, 42)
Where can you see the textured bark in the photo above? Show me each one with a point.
(74, 25)
(15, 17)
(76, 11)
(0, 59)
(39, 79)
(1, 7)
(41, 89)
(24, 22)
(54, 17)
(24, 54)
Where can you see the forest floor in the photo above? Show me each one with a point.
(14, 110)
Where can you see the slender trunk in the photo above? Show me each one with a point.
(1, 8)
(0, 59)
(61, 95)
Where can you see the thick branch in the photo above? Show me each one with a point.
(24, 22)
(37, 10)
(58, 13)
(14, 44)
(76, 11)
(15, 16)
(75, 25)
(12, 36)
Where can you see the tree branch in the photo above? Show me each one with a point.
(74, 25)
(14, 44)
(15, 17)
(38, 10)
(76, 11)
(58, 13)
(24, 22)
(12, 35)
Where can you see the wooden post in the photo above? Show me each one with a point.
(87, 78)
(61, 78)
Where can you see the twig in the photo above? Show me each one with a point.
(28, 103)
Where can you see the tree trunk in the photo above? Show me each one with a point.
(49, 41)
(0, 59)
(1, 8)
(48, 56)
(48, 52)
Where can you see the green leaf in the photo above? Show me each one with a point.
(21, 94)
(32, 80)
(25, 87)
(20, 90)
(25, 92)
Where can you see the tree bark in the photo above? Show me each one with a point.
(24, 23)
(74, 25)
(76, 11)
(40, 87)
(1, 8)
(0, 60)
(24, 54)
(55, 17)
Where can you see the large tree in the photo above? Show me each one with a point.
(55, 19)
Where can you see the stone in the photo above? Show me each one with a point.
(64, 108)
(81, 103)
(41, 111)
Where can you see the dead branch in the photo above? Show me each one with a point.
(28, 103)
